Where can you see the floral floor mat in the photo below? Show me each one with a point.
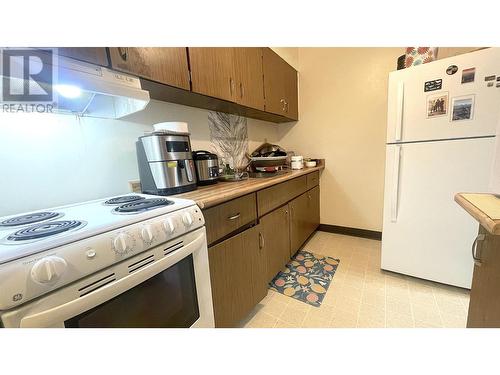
(306, 278)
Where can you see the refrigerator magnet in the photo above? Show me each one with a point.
(452, 69)
(462, 108)
(490, 78)
(468, 75)
(490, 84)
(436, 84)
(437, 105)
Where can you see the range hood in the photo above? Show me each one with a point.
(84, 89)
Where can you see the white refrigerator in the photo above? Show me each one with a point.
(441, 127)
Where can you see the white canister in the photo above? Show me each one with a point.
(297, 162)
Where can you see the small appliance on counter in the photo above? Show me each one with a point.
(297, 162)
(165, 163)
(207, 167)
(268, 160)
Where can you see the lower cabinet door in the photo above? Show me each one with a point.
(299, 222)
(313, 196)
(275, 232)
(484, 304)
(304, 219)
(237, 270)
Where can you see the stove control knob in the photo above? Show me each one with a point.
(169, 226)
(147, 234)
(187, 219)
(48, 269)
(123, 243)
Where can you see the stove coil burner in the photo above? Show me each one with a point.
(143, 205)
(29, 219)
(43, 230)
(123, 199)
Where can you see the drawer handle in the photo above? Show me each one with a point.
(234, 217)
(477, 260)
(261, 241)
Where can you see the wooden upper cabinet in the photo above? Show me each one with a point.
(212, 72)
(249, 77)
(232, 74)
(168, 65)
(94, 55)
(280, 85)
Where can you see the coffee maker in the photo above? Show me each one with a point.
(165, 163)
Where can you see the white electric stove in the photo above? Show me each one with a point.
(101, 263)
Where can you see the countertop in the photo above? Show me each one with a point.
(483, 207)
(208, 196)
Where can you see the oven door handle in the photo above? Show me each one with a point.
(61, 313)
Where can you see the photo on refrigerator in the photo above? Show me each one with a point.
(437, 105)
(462, 108)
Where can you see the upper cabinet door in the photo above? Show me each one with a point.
(249, 77)
(94, 55)
(167, 65)
(280, 85)
(212, 72)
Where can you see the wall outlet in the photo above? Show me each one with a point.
(134, 186)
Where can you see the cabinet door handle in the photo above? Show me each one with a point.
(477, 259)
(234, 217)
(231, 86)
(283, 101)
(261, 241)
(123, 51)
(286, 106)
(242, 92)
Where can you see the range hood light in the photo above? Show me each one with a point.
(68, 91)
(86, 89)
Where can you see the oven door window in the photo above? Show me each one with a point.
(167, 300)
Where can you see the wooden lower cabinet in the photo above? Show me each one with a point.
(304, 211)
(313, 222)
(275, 231)
(238, 276)
(484, 304)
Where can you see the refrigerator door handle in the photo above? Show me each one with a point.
(395, 184)
(399, 110)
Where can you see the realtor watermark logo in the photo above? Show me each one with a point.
(27, 80)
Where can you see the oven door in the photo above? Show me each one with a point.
(172, 292)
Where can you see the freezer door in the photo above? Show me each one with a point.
(416, 115)
(425, 233)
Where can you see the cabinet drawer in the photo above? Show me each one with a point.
(227, 217)
(312, 180)
(272, 197)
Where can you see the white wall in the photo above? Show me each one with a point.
(342, 118)
(48, 160)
